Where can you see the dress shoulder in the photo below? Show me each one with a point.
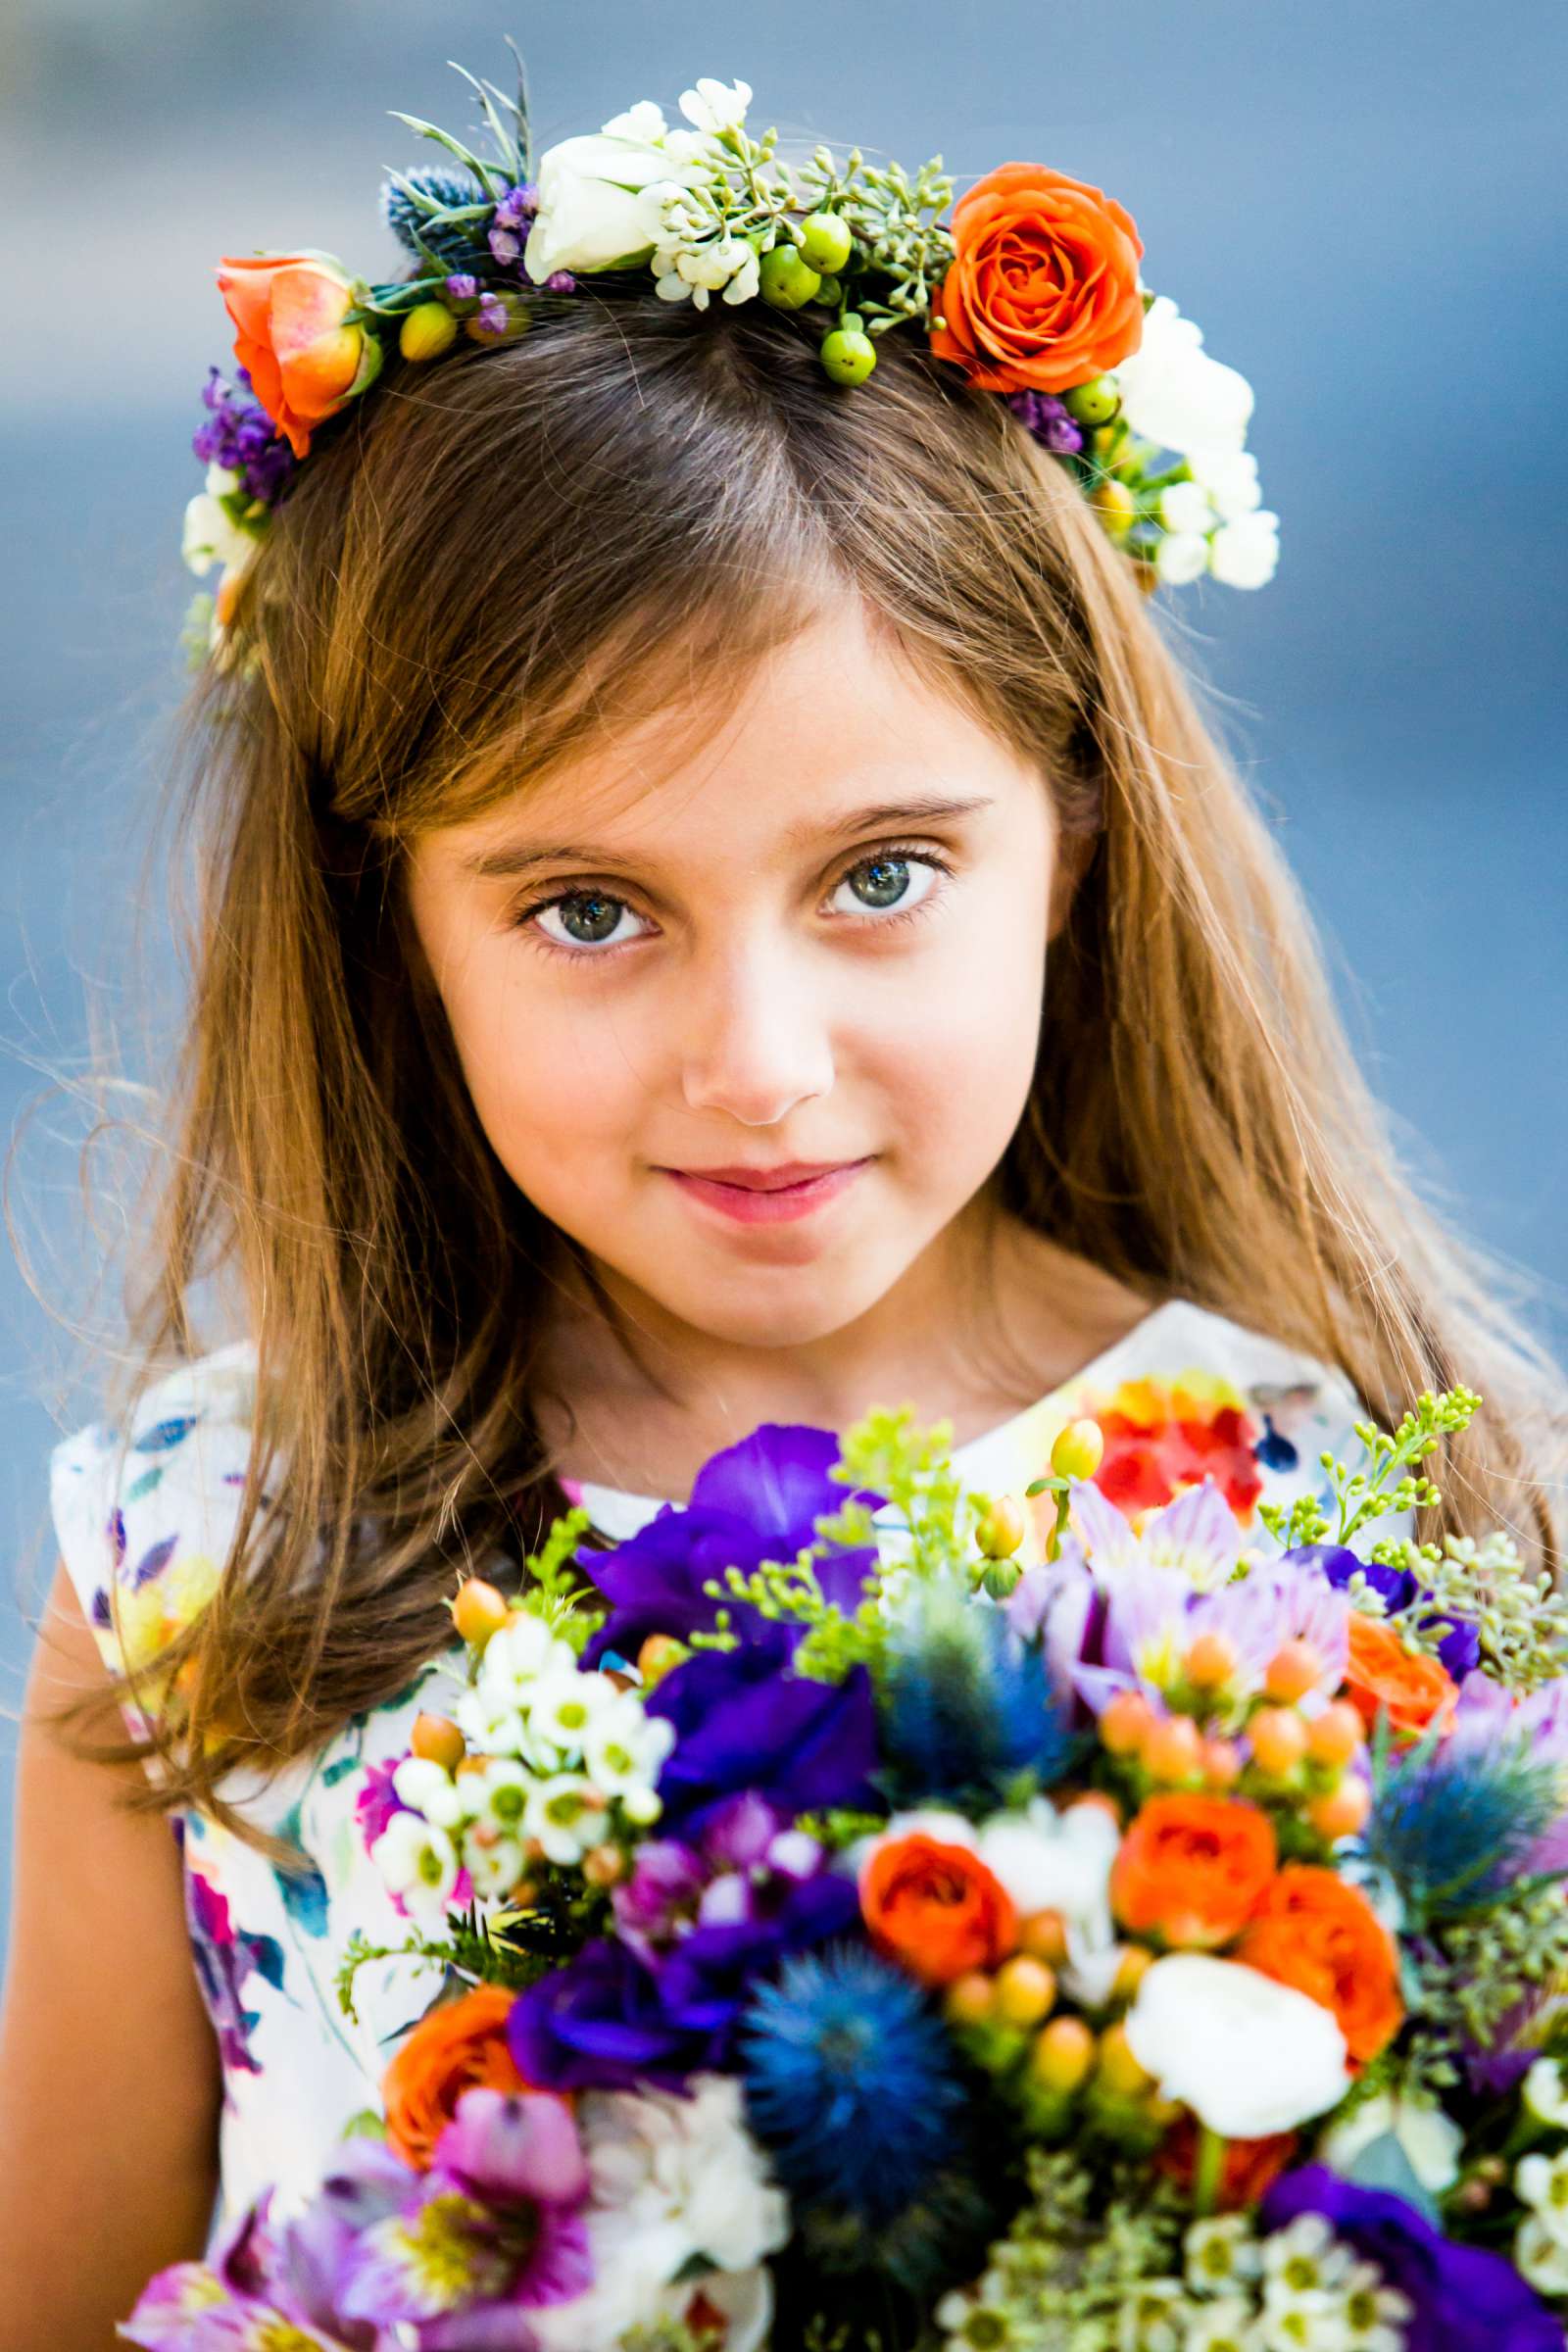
(144, 1510)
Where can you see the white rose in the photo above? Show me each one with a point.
(1247, 2056)
(1174, 394)
(1244, 553)
(1431, 2143)
(602, 201)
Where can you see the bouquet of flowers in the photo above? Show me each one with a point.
(874, 1913)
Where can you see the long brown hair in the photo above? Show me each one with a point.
(482, 567)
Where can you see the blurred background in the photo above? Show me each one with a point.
(1363, 209)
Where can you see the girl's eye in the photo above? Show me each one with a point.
(590, 919)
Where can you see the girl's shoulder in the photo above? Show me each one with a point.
(144, 1508)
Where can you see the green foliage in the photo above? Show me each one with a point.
(1486, 1965)
(554, 1587)
(1392, 1482)
(1521, 1621)
(510, 1947)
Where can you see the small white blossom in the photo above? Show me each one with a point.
(490, 1721)
(568, 1816)
(1230, 477)
(1545, 2093)
(419, 1863)
(1540, 2257)
(1174, 394)
(1374, 2313)
(1221, 2252)
(1227, 2325)
(501, 1794)
(495, 1866)
(431, 1790)
(563, 1707)
(211, 537)
(625, 1747)
(515, 1657)
(1180, 556)
(716, 106)
(697, 270)
(1542, 2182)
(1246, 553)
(1431, 2145)
(1186, 507)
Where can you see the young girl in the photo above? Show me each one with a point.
(716, 905)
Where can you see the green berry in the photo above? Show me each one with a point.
(826, 241)
(847, 355)
(1093, 403)
(786, 280)
(427, 330)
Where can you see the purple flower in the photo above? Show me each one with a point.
(745, 1721)
(754, 1502)
(1047, 418)
(1464, 2298)
(240, 434)
(611, 2021)
(463, 285)
(1460, 1650)
(727, 1876)
(176, 2310)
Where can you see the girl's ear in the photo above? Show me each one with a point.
(1075, 847)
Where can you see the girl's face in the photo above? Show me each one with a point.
(820, 939)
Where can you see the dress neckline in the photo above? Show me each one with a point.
(621, 1499)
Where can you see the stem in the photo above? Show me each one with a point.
(1210, 2171)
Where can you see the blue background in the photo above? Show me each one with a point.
(1362, 207)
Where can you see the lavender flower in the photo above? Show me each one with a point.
(241, 435)
(1047, 418)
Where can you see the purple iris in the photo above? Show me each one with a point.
(608, 2020)
(1464, 2298)
(745, 1721)
(1460, 1650)
(754, 1502)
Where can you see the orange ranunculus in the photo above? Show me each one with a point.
(1191, 1868)
(1042, 292)
(1320, 1935)
(1417, 1689)
(303, 361)
(936, 1908)
(457, 2046)
(1251, 2168)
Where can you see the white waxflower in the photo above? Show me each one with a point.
(1540, 2257)
(1249, 2056)
(625, 1747)
(515, 1657)
(1545, 2092)
(1230, 477)
(1246, 553)
(1373, 2313)
(490, 1721)
(496, 1866)
(1227, 2325)
(1219, 2253)
(1431, 2143)
(419, 1863)
(695, 271)
(1186, 507)
(431, 1790)
(1174, 394)
(1303, 2262)
(211, 537)
(568, 1816)
(1542, 2182)
(716, 106)
(1180, 556)
(563, 1706)
(502, 1792)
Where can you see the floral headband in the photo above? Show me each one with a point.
(1031, 288)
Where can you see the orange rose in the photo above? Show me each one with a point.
(1417, 1689)
(1315, 1932)
(1191, 1868)
(1042, 292)
(936, 1908)
(459, 2044)
(1251, 2168)
(303, 361)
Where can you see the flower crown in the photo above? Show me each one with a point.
(1031, 288)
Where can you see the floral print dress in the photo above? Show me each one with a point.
(151, 1510)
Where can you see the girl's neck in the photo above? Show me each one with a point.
(625, 1403)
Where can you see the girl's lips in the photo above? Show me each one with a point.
(745, 1204)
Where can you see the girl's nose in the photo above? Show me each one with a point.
(754, 1042)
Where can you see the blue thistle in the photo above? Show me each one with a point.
(407, 211)
(850, 2082)
(966, 1709)
(1453, 1828)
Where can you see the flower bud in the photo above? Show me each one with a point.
(1278, 1737)
(1292, 1671)
(1079, 1450)
(1025, 1991)
(1342, 1812)
(1210, 1661)
(1172, 1749)
(1125, 1723)
(478, 1611)
(1116, 2067)
(438, 1738)
(1003, 1527)
(968, 2000)
(786, 280)
(658, 1656)
(1093, 403)
(427, 330)
(1002, 1578)
(1336, 1736)
(1043, 1936)
(603, 1865)
(826, 241)
(1115, 506)
(1063, 2054)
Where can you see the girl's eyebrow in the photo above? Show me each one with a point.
(883, 815)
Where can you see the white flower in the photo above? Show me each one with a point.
(1541, 2181)
(1373, 2312)
(211, 537)
(568, 1816)
(676, 2181)
(518, 1656)
(1186, 507)
(1540, 2257)
(1545, 2093)
(490, 1721)
(1174, 394)
(1223, 2327)
(1051, 1861)
(496, 1867)
(1246, 553)
(1230, 477)
(696, 270)
(1302, 2261)
(642, 123)
(563, 1706)
(1249, 2056)
(1219, 2253)
(501, 1794)
(1431, 2143)
(431, 1790)
(418, 1862)
(716, 106)
(1180, 556)
(602, 194)
(625, 1747)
